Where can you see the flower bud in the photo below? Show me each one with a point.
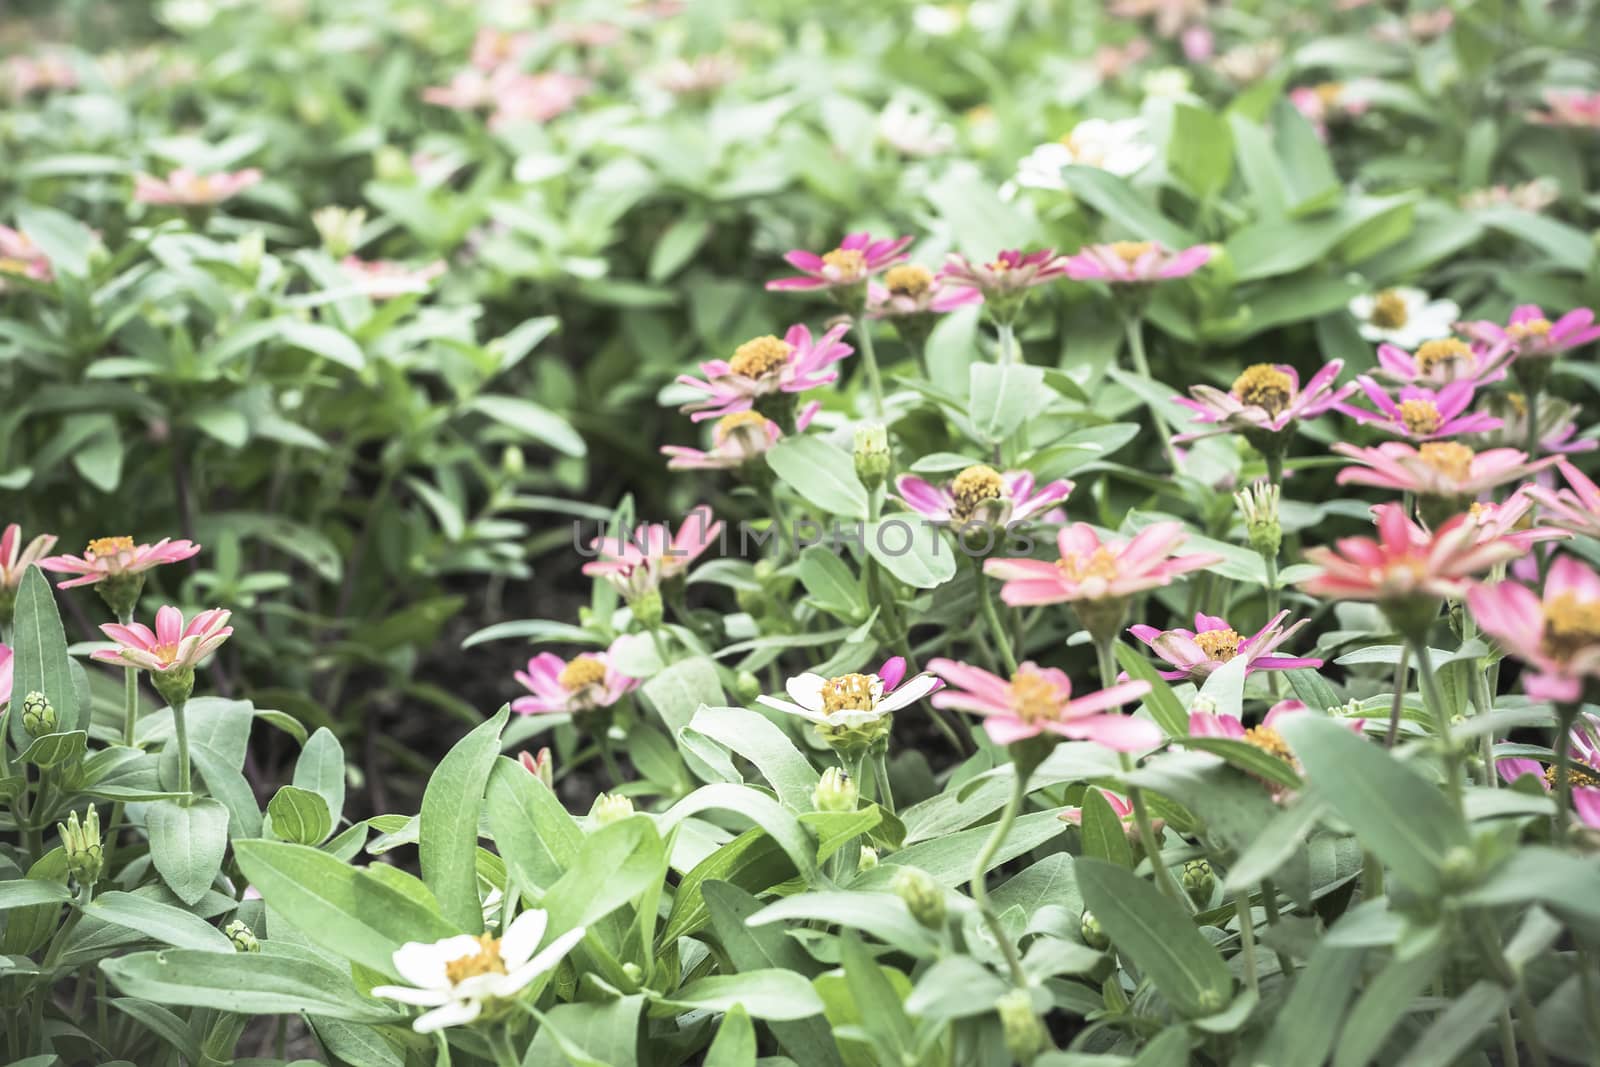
(1092, 932)
(1199, 881)
(1259, 506)
(85, 857)
(512, 461)
(872, 456)
(1024, 1032)
(243, 938)
(174, 684)
(647, 609)
(868, 860)
(835, 792)
(609, 808)
(923, 897)
(339, 228)
(249, 250)
(747, 686)
(38, 715)
(539, 765)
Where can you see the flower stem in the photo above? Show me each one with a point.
(1566, 715)
(980, 894)
(1532, 445)
(608, 759)
(880, 771)
(1002, 640)
(1398, 703)
(869, 357)
(1135, 331)
(1441, 718)
(1008, 342)
(181, 729)
(130, 699)
(1247, 939)
(505, 1055)
(1269, 900)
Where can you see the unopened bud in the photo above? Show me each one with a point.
(923, 897)
(85, 856)
(243, 938)
(38, 715)
(1024, 1033)
(647, 609)
(868, 860)
(1092, 932)
(872, 457)
(1199, 881)
(249, 250)
(539, 765)
(835, 792)
(339, 228)
(747, 685)
(174, 684)
(609, 808)
(1259, 506)
(512, 461)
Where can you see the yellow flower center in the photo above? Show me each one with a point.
(12, 266)
(1448, 458)
(1033, 698)
(1329, 92)
(849, 692)
(1570, 625)
(1130, 251)
(973, 488)
(1101, 563)
(1420, 417)
(101, 547)
(739, 420)
(485, 961)
(1269, 740)
(582, 672)
(1389, 310)
(1519, 404)
(847, 262)
(1449, 351)
(759, 357)
(908, 279)
(1220, 645)
(1264, 386)
(1577, 776)
(1521, 331)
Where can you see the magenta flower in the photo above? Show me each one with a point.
(1422, 414)
(116, 557)
(1530, 335)
(1576, 508)
(1135, 263)
(737, 439)
(1197, 653)
(382, 279)
(981, 495)
(1583, 770)
(172, 647)
(6, 668)
(858, 257)
(584, 683)
(186, 188)
(1569, 107)
(638, 564)
(1556, 634)
(1265, 399)
(1091, 570)
(1445, 469)
(1406, 562)
(1038, 700)
(15, 559)
(911, 289)
(1122, 809)
(1443, 361)
(1265, 736)
(1007, 277)
(764, 366)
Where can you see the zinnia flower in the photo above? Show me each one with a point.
(535, 97)
(15, 559)
(1005, 280)
(1422, 414)
(173, 647)
(858, 257)
(1090, 569)
(493, 48)
(911, 289)
(852, 711)
(186, 188)
(637, 565)
(116, 557)
(1576, 508)
(20, 256)
(1510, 521)
(1135, 262)
(465, 978)
(1197, 653)
(1405, 317)
(382, 279)
(584, 683)
(1556, 634)
(737, 439)
(1569, 107)
(1325, 103)
(6, 668)
(1443, 361)
(766, 366)
(1530, 335)
(914, 132)
(1532, 196)
(1118, 147)
(1038, 700)
(1583, 770)
(1266, 399)
(980, 494)
(1445, 470)
(1122, 809)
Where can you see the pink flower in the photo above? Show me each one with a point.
(1557, 634)
(853, 702)
(911, 289)
(698, 76)
(584, 683)
(20, 256)
(1510, 521)
(383, 279)
(1038, 700)
(1422, 414)
(23, 75)
(1406, 562)
(1326, 103)
(737, 439)
(638, 564)
(116, 557)
(536, 97)
(468, 90)
(1006, 277)
(1135, 262)
(1569, 107)
(1111, 62)
(858, 257)
(6, 668)
(1583, 770)
(1443, 361)
(981, 495)
(1530, 335)
(1120, 808)
(764, 366)
(14, 559)
(1265, 399)
(1445, 469)
(1576, 508)
(587, 34)
(1091, 570)
(494, 48)
(186, 188)
(172, 646)
(1197, 653)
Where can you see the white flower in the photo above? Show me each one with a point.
(1116, 146)
(1404, 317)
(1169, 82)
(853, 699)
(936, 20)
(914, 131)
(463, 977)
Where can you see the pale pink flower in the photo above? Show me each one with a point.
(1533, 196)
(1111, 61)
(639, 561)
(981, 495)
(593, 34)
(23, 75)
(468, 90)
(1558, 430)
(1038, 700)
(765, 366)
(910, 289)
(1006, 277)
(858, 257)
(15, 559)
(697, 76)
(737, 439)
(6, 674)
(1248, 63)
(1422, 414)
(19, 255)
(1265, 399)
(1511, 521)
(494, 48)
(1212, 643)
(1583, 770)
(1530, 335)
(1446, 469)
(1444, 360)
(1418, 26)
(1265, 736)
(1576, 508)
(536, 97)
(172, 646)
(1090, 569)
(1569, 107)
(1135, 263)
(186, 188)
(383, 279)
(1557, 634)
(1406, 562)
(583, 683)
(853, 701)
(1122, 809)
(115, 557)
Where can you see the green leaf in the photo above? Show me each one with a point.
(320, 769)
(616, 865)
(532, 831)
(1312, 689)
(1200, 149)
(956, 987)
(51, 750)
(319, 340)
(1115, 199)
(757, 739)
(912, 550)
(27, 892)
(603, 1034)
(448, 839)
(1248, 758)
(748, 803)
(40, 663)
(1158, 936)
(822, 473)
(884, 915)
(882, 1011)
(1162, 703)
(677, 245)
(64, 240)
(1105, 836)
(1001, 396)
(949, 859)
(228, 786)
(1303, 1031)
(187, 843)
(735, 1044)
(243, 982)
(680, 690)
(1400, 816)
(1386, 1001)
(766, 994)
(534, 422)
(158, 921)
(299, 815)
